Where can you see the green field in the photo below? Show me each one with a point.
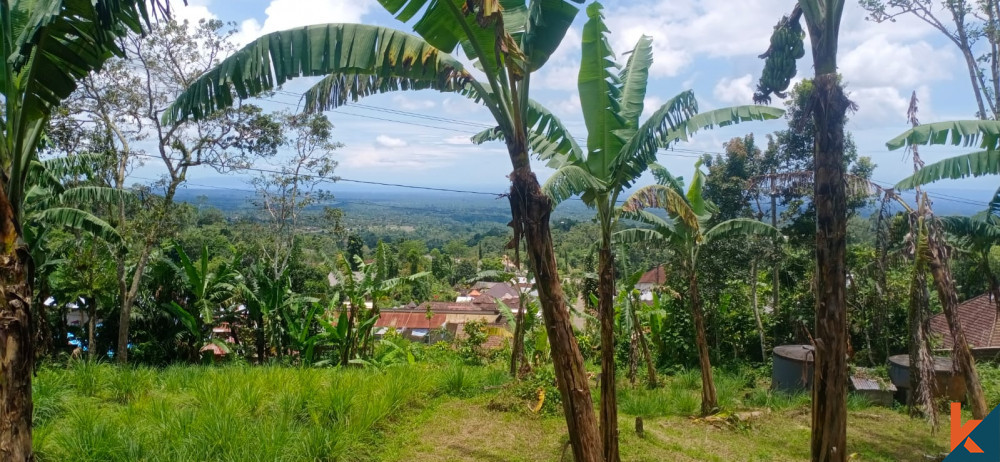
(428, 411)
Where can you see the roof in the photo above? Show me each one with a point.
(410, 320)
(500, 290)
(656, 276)
(866, 379)
(978, 317)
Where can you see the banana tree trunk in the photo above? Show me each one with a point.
(961, 353)
(43, 341)
(91, 328)
(261, 344)
(922, 379)
(829, 404)
(606, 315)
(756, 310)
(709, 399)
(644, 346)
(517, 350)
(530, 210)
(16, 356)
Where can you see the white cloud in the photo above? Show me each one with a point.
(411, 104)
(286, 14)
(387, 141)
(649, 106)
(879, 62)
(458, 140)
(417, 157)
(734, 91)
(561, 70)
(193, 12)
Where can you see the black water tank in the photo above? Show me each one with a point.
(793, 368)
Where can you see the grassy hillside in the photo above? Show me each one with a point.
(418, 412)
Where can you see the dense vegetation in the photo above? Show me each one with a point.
(279, 296)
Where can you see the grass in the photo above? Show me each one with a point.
(422, 412)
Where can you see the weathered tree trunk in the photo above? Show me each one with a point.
(606, 316)
(43, 341)
(756, 310)
(16, 355)
(922, 380)
(709, 400)
(775, 281)
(530, 210)
(961, 354)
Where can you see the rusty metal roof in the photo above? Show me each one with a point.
(864, 383)
(978, 317)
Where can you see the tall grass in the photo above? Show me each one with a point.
(100, 412)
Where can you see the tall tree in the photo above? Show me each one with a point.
(47, 47)
(127, 104)
(971, 26)
(507, 42)
(687, 232)
(620, 148)
(829, 107)
(285, 193)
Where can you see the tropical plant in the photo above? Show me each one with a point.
(46, 47)
(507, 41)
(212, 290)
(686, 232)
(829, 109)
(619, 149)
(965, 133)
(630, 311)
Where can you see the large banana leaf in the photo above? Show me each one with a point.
(667, 198)
(75, 219)
(362, 59)
(743, 227)
(985, 133)
(547, 23)
(638, 236)
(634, 78)
(643, 143)
(975, 164)
(46, 47)
(569, 181)
(975, 233)
(548, 138)
(600, 91)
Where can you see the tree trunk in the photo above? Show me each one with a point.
(775, 282)
(650, 367)
(91, 328)
(756, 310)
(606, 316)
(259, 338)
(709, 400)
(530, 210)
(43, 341)
(16, 355)
(962, 355)
(829, 405)
(517, 350)
(922, 379)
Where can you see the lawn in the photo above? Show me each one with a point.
(421, 412)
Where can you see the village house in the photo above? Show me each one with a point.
(979, 319)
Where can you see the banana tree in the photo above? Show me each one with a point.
(686, 232)
(630, 305)
(507, 41)
(46, 47)
(829, 108)
(210, 288)
(966, 133)
(54, 202)
(974, 237)
(619, 149)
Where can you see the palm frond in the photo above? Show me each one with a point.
(975, 165)
(984, 133)
(76, 219)
(570, 181)
(743, 227)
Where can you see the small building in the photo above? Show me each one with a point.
(979, 319)
(413, 325)
(649, 281)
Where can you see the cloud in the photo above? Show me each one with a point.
(286, 14)
(411, 104)
(561, 70)
(194, 11)
(737, 90)
(458, 140)
(879, 62)
(387, 141)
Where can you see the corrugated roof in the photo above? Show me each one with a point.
(864, 383)
(978, 317)
(410, 320)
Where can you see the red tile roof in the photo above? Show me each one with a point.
(978, 317)
(656, 275)
(410, 320)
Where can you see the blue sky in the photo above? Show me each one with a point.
(709, 46)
